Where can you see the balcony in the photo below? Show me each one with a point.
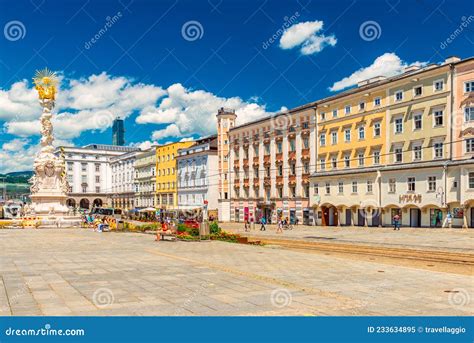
(292, 179)
(246, 163)
(279, 158)
(292, 155)
(305, 154)
(266, 159)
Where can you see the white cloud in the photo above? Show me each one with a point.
(307, 37)
(389, 64)
(187, 112)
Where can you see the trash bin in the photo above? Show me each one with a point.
(120, 225)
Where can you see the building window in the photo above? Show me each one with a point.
(360, 158)
(376, 157)
(280, 192)
(293, 192)
(97, 189)
(354, 187)
(392, 188)
(469, 86)
(97, 167)
(328, 188)
(431, 183)
(305, 143)
(334, 113)
(438, 150)
(341, 187)
(267, 149)
(398, 155)
(438, 118)
(84, 189)
(398, 95)
(267, 171)
(316, 188)
(323, 116)
(255, 151)
(293, 169)
(334, 137)
(411, 184)
(416, 152)
(417, 91)
(334, 162)
(470, 145)
(306, 191)
(322, 163)
(347, 109)
(347, 135)
(306, 167)
(469, 114)
(361, 106)
(361, 132)
(417, 122)
(369, 186)
(84, 167)
(347, 161)
(399, 125)
(377, 101)
(69, 166)
(377, 130)
(438, 85)
(322, 139)
(97, 179)
(279, 147)
(292, 145)
(471, 180)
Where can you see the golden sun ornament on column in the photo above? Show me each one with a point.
(45, 82)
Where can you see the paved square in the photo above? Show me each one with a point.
(80, 272)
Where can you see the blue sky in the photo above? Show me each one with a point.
(168, 82)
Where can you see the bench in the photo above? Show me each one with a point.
(164, 235)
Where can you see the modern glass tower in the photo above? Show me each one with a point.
(118, 132)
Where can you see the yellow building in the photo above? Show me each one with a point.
(166, 177)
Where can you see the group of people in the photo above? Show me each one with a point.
(283, 223)
(99, 223)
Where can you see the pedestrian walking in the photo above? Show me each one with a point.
(247, 225)
(263, 221)
(396, 222)
(280, 227)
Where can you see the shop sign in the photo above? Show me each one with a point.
(406, 198)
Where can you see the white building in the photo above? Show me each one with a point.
(145, 178)
(198, 177)
(89, 173)
(123, 180)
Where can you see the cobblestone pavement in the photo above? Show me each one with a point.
(461, 240)
(80, 272)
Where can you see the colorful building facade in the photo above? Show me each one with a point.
(166, 175)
